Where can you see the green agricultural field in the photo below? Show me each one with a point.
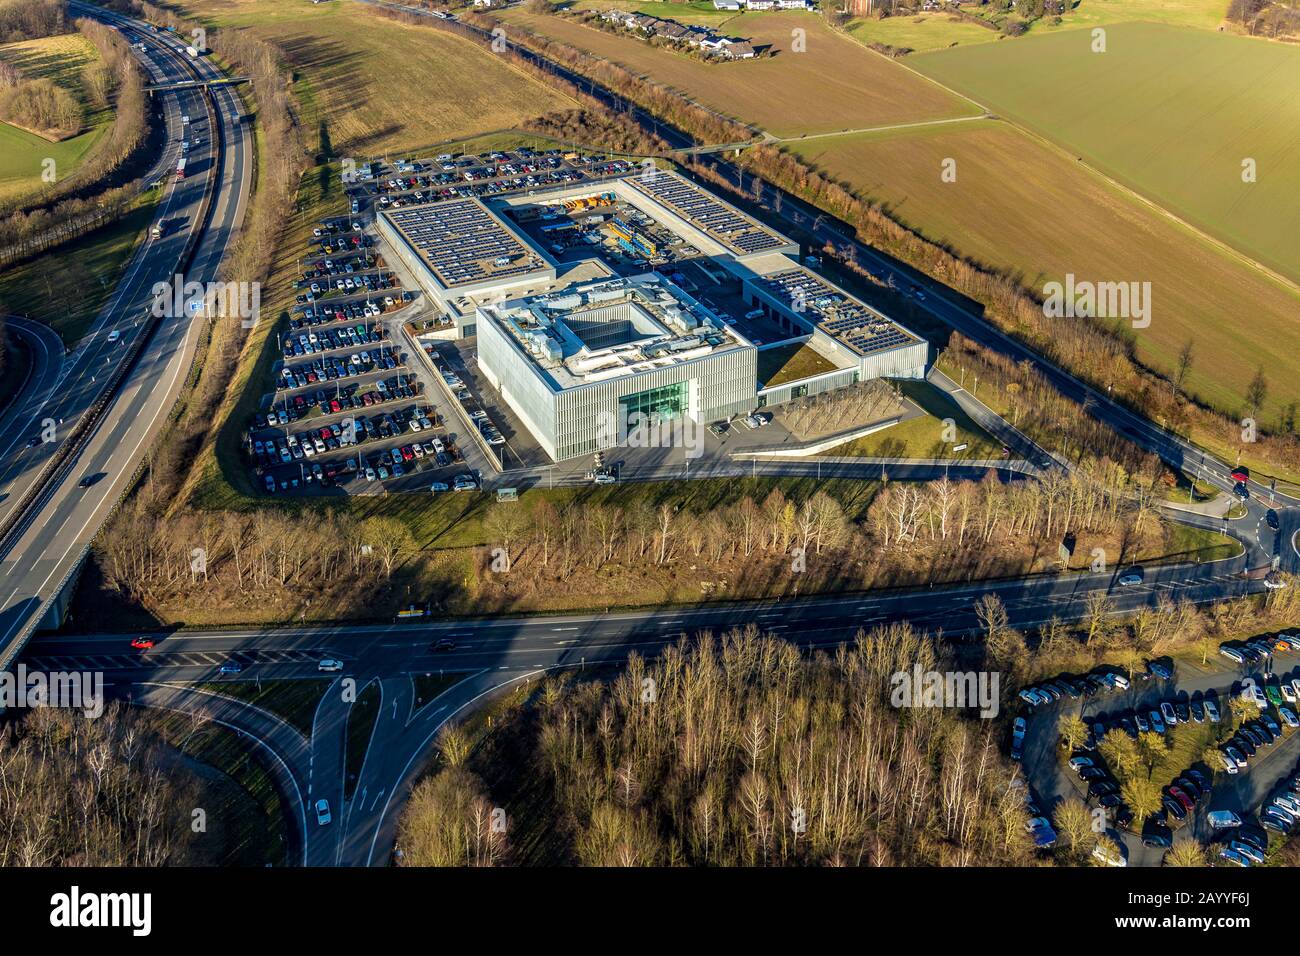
(1022, 206)
(23, 154)
(1170, 112)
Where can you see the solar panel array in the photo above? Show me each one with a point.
(849, 321)
(721, 222)
(461, 242)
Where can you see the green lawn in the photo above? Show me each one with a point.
(1022, 206)
(924, 31)
(248, 816)
(361, 722)
(1169, 111)
(787, 363)
(923, 436)
(67, 287)
(293, 700)
(23, 155)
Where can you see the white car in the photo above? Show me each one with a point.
(1212, 711)
(323, 812)
(114, 335)
(1168, 713)
(1288, 717)
(1129, 580)
(329, 664)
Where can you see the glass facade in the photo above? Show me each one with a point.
(657, 404)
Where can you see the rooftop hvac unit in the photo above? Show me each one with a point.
(551, 349)
(563, 302)
(604, 295)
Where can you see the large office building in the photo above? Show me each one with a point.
(597, 303)
(582, 366)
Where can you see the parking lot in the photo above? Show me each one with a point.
(1240, 774)
(452, 175)
(346, 414)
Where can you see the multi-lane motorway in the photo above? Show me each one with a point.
(48, 516)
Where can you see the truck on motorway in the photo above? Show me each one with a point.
(180, 168)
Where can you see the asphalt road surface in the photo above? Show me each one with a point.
(51, 538)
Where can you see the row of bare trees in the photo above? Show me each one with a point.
(32, 19)
(737, 751)
(82, 792)
(906, 534)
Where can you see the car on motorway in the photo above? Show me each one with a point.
(231, 667)
(142, 643)
(443, 644)
(330, 664)
(91, 479)
(1130, 579)
(323, 812)
(114, 336)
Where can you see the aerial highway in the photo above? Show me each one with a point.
(54, 495)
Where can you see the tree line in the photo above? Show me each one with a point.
(731, 751)
(82, 792)
(32, 19)
(574, 549)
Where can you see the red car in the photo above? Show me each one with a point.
(335, 406)
(1240, 474)
(1182, 798)
(142, 643)
(407, 454)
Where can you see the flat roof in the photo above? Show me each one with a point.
(463, 243)
(613, 328)
(846, 319)
(720, 221)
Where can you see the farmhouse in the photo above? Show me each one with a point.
(704, 38)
